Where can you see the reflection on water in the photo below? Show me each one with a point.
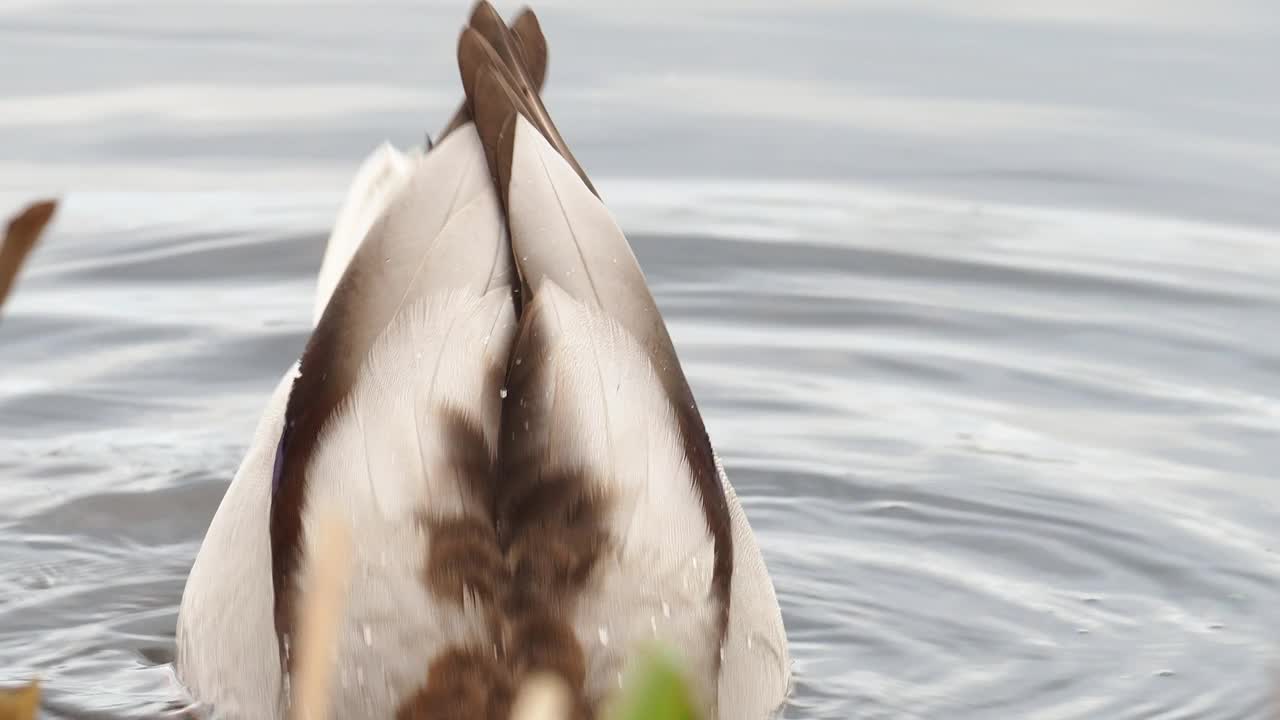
(980, 310)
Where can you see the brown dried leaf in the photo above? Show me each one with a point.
(21, 235)
(20, 703)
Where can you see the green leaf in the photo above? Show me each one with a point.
(656, 691)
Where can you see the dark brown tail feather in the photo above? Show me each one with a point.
(526, 39)
(20, 237)
(533, 44)
(494, 104)
(525, 97)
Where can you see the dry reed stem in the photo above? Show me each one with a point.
(541, 697)
(322, 607)
(21, 703)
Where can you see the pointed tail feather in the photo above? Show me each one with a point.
(526, 40)
(495, 50)
(533, 44)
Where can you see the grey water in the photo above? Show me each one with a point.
(980, 301)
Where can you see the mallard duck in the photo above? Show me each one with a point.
(491, 400)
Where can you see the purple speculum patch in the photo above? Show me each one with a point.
(277, 470)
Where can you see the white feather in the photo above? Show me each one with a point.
(382, 464)
(380, 179)
(612, 417)
(226, 647)
(443, 240)
(560, 231)
(566, 240)
(755, 673)
(443, 229)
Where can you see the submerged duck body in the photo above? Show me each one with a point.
(491, 400)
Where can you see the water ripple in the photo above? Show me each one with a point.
(989, 484)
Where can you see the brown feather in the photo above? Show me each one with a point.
(528, 40)
(510, 66)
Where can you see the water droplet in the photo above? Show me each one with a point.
(368, 635)
(653, 624)
(502, 393)
(1082, 631)
(604, 635)
(749, 642)
(519, 360)
(666, 609)
(721, 653)
(1216, 626)
(619, 679)
(1164, 673)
